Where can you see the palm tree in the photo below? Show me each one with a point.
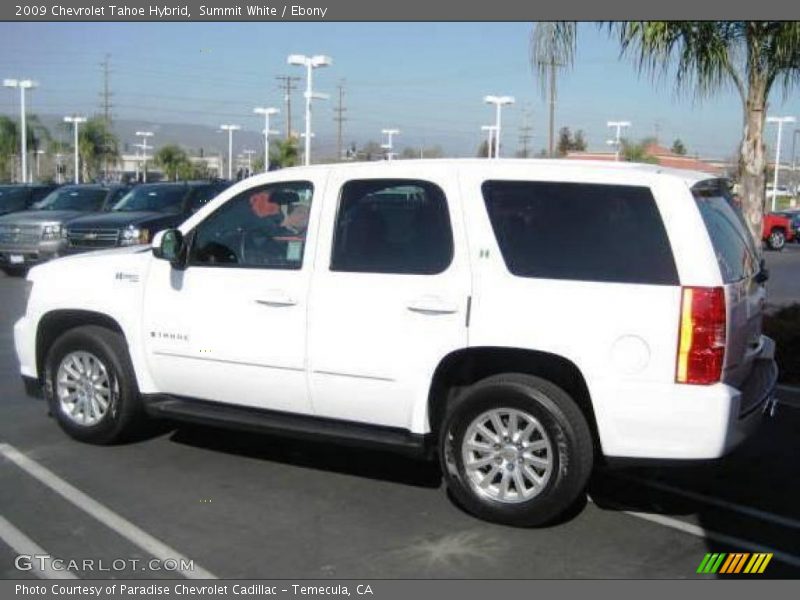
(96, 145)
(752, 57)
(284, 153)
(552, 47)
(9, 144)
(174, 160)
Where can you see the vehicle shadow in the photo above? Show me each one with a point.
(746, 502)
(323, 456)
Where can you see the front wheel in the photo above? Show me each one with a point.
(516, 449)
(91, 387)
(776, 240)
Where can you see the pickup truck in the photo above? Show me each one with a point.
(429, 307)
(776, 230)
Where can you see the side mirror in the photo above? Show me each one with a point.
(169, 245)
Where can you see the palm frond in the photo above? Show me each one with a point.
(552, 43)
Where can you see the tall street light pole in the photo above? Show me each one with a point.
(249, 155)
(230, 129)
(266, 111)
(389, 145)
(22, 84)
(499, 102)
(76, 121)
(144, 135)
(489, 139)
(617, 141)
(310, 63)
(794, 158)
(780, 121)
(38, 154)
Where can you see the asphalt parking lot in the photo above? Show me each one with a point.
(245, 506)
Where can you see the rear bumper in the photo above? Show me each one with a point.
(687, 422)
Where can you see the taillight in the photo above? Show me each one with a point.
(701, 346)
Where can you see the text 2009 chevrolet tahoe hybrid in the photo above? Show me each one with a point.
(522, 318)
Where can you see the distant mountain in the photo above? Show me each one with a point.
(193, 138)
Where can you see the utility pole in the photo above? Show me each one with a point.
(339, 109)
(288, 85)
(525, 136)
(106, 94)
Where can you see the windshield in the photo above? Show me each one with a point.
(161, 198)
(82, 199)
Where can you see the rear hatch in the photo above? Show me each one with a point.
(739, 266)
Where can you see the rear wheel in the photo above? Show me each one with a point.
(90, 386)
(516, 449)
(776, 240)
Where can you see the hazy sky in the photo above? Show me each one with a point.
(427, 79)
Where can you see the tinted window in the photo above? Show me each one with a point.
(156, 198)
(201, 195)
(262, 227)
(586, 232)
(13, 198)
(74, 198)
(392, 226)
(733, 244)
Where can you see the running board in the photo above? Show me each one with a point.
(244, 418)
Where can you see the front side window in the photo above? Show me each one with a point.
(392, 226)
(580, 231)
(262, 227)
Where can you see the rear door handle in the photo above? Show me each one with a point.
(276, 298)
(432, 305)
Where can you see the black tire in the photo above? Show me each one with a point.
(124, 414)
(776, 240)
(571, 450)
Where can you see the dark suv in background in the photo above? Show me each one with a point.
(33, 236)
(14, 198)
(145, 210)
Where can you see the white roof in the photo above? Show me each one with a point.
(594, 167)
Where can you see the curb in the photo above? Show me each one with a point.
(789, 395)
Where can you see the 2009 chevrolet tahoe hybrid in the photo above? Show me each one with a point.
(523, 319)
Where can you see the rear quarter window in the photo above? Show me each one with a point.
(580, 231)
(733, 245)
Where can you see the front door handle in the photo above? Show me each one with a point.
(276, 298)
(432, 305)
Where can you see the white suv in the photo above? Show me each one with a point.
(523, 319)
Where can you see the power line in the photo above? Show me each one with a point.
(339, 109)
(288, 85)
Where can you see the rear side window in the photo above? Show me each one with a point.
(733, 244)
(580, 231)
(392, 226)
